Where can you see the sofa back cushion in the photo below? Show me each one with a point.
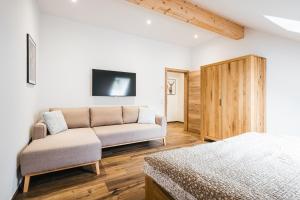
(130, 114)
(75, 117)
(102, 116)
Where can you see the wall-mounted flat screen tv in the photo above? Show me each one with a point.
(113, 83)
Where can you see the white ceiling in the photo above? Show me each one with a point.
(126, 17)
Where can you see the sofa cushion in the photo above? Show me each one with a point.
(103, 116)
(75, 117)
(72, 147)
(130, 114)
(128, 133)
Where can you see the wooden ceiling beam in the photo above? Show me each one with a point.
(193, 14)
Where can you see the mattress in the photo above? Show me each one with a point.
(249, 166)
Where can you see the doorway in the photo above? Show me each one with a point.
(176, 95)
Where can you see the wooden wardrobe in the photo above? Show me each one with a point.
(233, 97)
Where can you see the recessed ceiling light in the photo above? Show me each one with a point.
(74, 1)
(196, 36)
(149, 22)
(287, 24)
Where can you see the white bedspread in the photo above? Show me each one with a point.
(250, 166)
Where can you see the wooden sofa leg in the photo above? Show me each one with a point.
(26, 184)
(165, 141)
(97, 167)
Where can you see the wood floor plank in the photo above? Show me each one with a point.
(121, 170)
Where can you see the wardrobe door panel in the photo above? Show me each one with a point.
(211, 108)
(236, 98)
(259, 93)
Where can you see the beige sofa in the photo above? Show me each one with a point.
(89, 130)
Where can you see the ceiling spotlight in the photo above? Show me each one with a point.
(196, 36)
(149, 22)
(74, 1)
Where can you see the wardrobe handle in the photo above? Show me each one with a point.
(220, 102)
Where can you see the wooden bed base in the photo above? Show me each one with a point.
(153, 191)
(27, 177)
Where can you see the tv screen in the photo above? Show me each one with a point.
(113, 83)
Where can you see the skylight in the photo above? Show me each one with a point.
(287, 24)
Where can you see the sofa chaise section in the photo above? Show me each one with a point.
(75, 146)
(72, 148)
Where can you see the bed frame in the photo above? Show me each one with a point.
(153, 191)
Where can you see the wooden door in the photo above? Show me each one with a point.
(210, 102)
(194, 102)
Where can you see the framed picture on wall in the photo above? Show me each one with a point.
(171, 86)
(31, 60)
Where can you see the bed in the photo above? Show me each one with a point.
(249, 166)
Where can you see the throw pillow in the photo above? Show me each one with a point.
(55, 122)
(146, 116)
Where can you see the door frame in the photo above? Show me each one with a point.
(186, 88)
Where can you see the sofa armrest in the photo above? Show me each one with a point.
(39, 130)
(161, 120)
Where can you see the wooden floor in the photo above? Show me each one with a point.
(121, 176)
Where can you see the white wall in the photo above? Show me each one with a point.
(175, 109)
(18, 99)
(283, 73)
(69, 50)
